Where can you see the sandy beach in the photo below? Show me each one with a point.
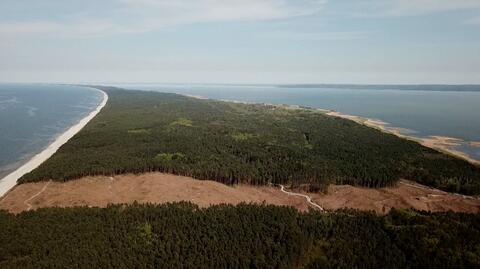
(475, 144)
(10, 180)
(440, 143)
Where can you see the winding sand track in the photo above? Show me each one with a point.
(27, 202)
(309, 200)
(10, 180)
(161, 188)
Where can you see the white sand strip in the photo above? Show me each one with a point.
(439, 143)
(10, 180)
(309, 200)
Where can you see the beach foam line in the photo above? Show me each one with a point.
(10, 180)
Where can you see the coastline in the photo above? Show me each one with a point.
(440, 143)
(10, 180)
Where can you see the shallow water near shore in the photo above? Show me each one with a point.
(419, 111)
(33, 115)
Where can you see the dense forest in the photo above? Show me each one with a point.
(182, 235)
(229, 142)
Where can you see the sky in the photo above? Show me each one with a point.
(241, 41)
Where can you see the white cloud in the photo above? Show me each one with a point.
(27, 28)
(78, 29)
(419, 7)
(134, 16)
(393, 8)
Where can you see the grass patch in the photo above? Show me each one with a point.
(242, 136)
(167, 157)
(139, 131)
(182, 122)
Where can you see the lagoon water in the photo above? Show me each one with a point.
(423, 110)
(33, 115)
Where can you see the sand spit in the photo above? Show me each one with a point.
(441, 143)
(195, 96)
(161, 188)
(10, 180)
(284, 106)
(475, 144)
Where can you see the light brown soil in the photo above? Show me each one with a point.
(405, 195)
(151, 187)
(161, 188)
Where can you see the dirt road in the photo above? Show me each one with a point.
(309, 200)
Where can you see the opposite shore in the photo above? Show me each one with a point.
(10, 180)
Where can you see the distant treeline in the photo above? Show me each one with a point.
(245, 236)
(258, 144)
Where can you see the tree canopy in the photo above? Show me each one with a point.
(181, 235)
(140, 131)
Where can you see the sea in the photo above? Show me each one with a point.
(32, 116)
(418, 110)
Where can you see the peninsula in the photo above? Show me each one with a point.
(106, 192)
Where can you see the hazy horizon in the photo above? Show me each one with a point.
(345, 84)
(241, 42)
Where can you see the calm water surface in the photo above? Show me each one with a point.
(423, 110)
(33, 115)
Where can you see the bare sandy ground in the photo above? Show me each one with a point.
(406, 194)
(161, 188)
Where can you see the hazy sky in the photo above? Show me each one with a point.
(240, 41)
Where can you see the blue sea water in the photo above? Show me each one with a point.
(33, 115)
(452, 111)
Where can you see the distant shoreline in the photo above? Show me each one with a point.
(440, 143)
(10, 180)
